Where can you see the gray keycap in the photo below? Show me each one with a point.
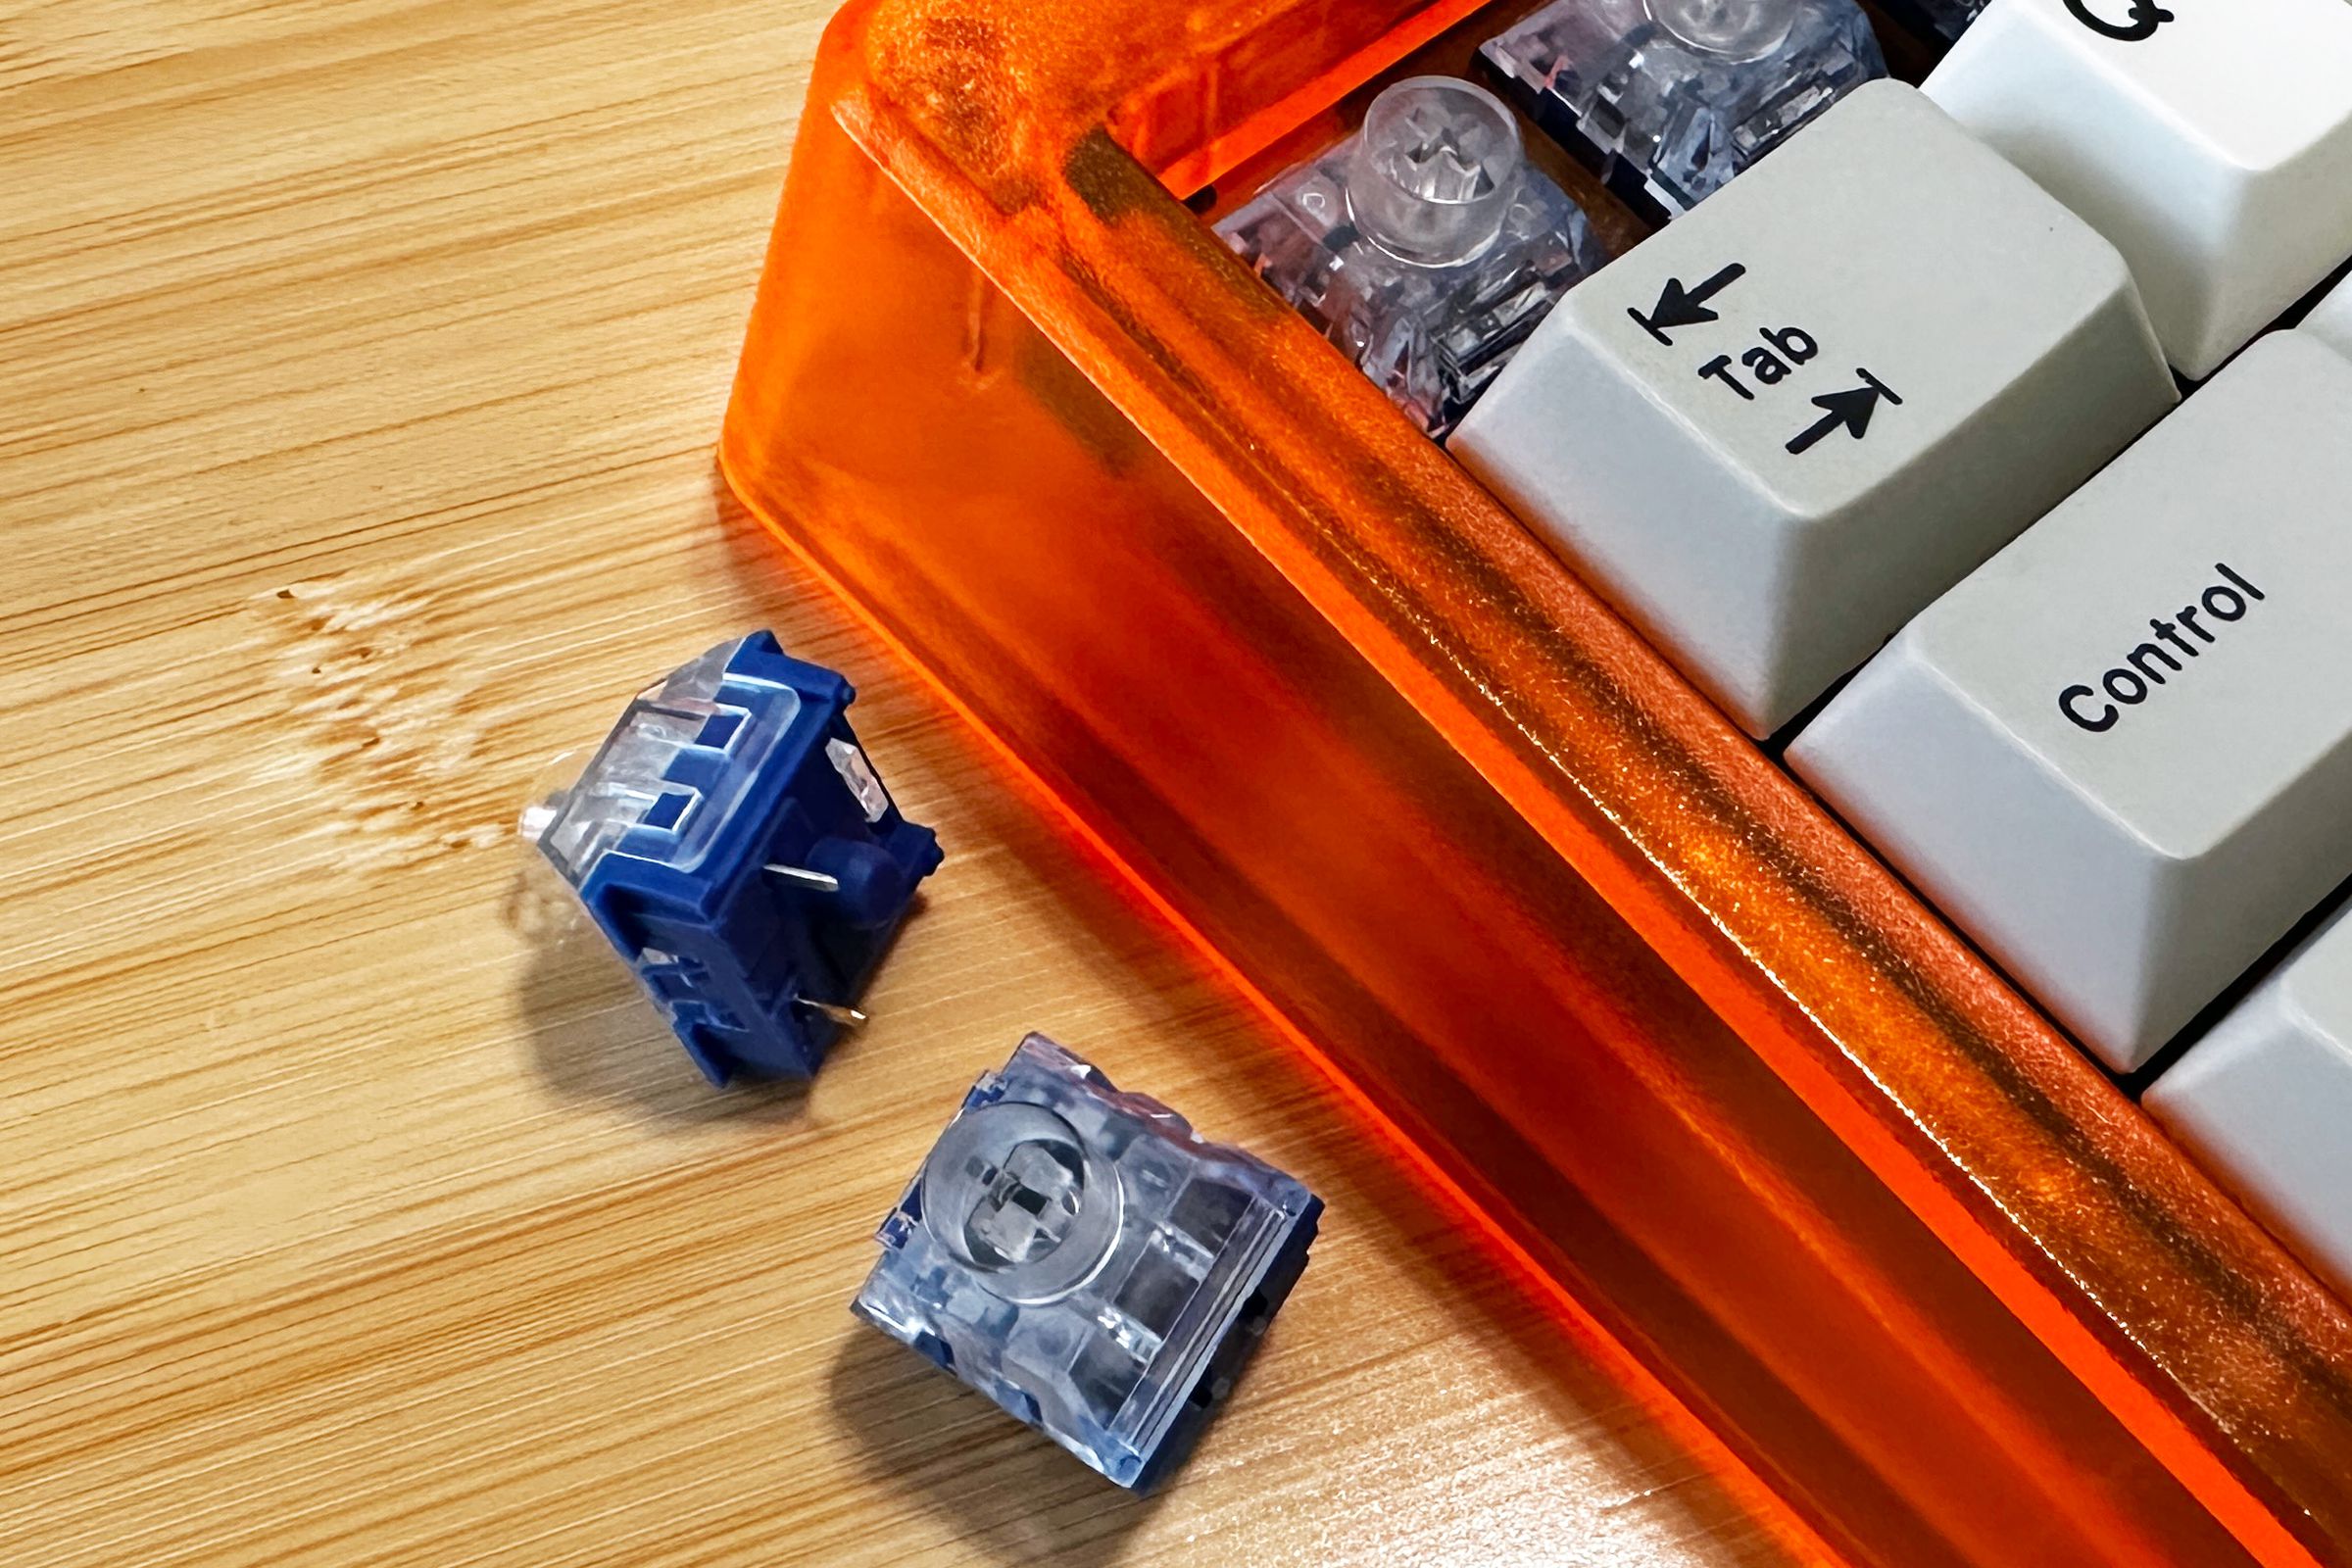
(1773, 431)
(2331, 319)
(2264, 1101)
(2120, 754)
(2210, 139)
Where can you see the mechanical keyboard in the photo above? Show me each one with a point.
(1715, 603)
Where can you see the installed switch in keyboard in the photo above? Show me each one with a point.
(1775, 430)
(1666, 100)
(1425, 246)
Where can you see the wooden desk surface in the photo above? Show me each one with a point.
(361, 363)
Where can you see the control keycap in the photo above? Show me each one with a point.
(2264, 1101)
(1776, 429)
(2210, 139)
(2120, 754)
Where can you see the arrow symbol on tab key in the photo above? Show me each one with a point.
(1847, 411)
(1684, 306)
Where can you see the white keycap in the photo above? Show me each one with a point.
(2264, 1101)
(1774, 431)
(2214, 146)
(2332, 318)
(2120, 754)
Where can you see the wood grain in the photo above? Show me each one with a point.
(359, 366)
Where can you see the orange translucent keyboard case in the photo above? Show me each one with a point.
(1878, 1243)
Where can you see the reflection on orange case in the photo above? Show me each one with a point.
(1889, 1253)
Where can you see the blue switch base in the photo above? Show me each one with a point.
(733, 842)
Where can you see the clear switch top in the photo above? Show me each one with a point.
(1081, 1257)
(1668, 99)
(1424, 246)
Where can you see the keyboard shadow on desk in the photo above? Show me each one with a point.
(1010, 1494)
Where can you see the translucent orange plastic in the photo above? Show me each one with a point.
(1933, 1291)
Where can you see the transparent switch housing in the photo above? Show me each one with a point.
(1666, 100)
(586, 808)
(1083, 1258)
(1425, 247)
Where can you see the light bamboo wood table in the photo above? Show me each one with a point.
(360, 367)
